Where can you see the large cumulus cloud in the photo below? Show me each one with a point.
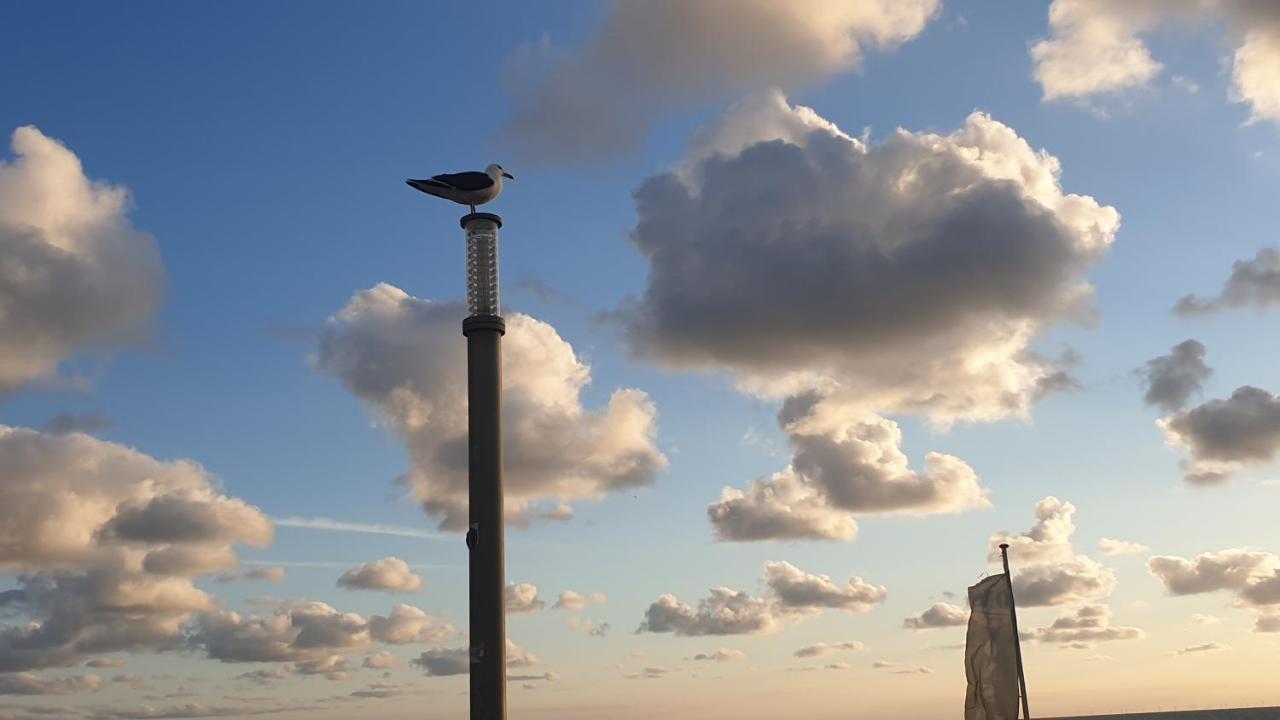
(911, 274)
(647, 58)
(74, 273)
(106, 542)
(406, 358)
(1097, 46)
(791, 594)
(1224, 436)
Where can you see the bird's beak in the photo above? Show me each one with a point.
(508, 175)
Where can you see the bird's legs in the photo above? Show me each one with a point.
(473, 208)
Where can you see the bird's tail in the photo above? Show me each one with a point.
(430, 187)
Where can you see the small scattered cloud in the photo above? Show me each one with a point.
(523, 598)
(1110, 547)
(822, 649)
(574, 601)
(1253, 283)
(1202, 649)
(1227, 435)
(938, 615)
(1172, 380)
(721, 655)
(390, 574)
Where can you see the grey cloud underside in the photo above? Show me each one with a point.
(1172, 380)
(820, 277)
(1047, 569)
(1252, 577)
(792, 594)
(649, 58)
(1083, 627)
(1226, 434)
(1253, 283)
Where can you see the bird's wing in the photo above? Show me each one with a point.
(465, 181)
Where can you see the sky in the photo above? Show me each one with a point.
(809, 306)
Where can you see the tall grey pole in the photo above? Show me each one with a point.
(1017, 640)
(484, 329)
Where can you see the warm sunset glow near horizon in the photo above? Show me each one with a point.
(809, 306)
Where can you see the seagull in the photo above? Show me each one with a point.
(465, 188)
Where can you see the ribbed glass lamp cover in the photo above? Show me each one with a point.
(482, 265)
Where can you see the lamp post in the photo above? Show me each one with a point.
(484, 328)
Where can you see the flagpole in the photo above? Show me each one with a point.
(1017, 640)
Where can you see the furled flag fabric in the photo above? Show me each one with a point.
(990, 665)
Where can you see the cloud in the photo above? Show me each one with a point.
(792, 593)
(1200, 619)
(523, 598)
(444, 662)
(1083, 627)
(1252, 577)
(390, 573)
(271, 573)
(312, 635)
(77, 275)
(67, 422)
(328, 524)
(900, 669)
(407, 624)
(1048, 571)
(25, 683)
(799, 590)
(1171, 380)
(1108, 546)
(937, 615)
(1202, 649)
(1224, 436)
(590, 627)
(380, 661)
(573, 601)
(722, 612)
(402, 357)
(722, 655)
(379, 691)
(264, 676)
(905, 276)
(105, 663)
(1253, 283)
(1048, 539)
(1096, 47)
(845, 462)
(647, 59)
(821, 649)
(105, 542)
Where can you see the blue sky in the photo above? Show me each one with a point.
(264, 148)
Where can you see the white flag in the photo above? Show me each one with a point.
(990, 664)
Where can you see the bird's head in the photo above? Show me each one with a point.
(495, 170)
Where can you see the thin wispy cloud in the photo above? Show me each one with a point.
(331, 525)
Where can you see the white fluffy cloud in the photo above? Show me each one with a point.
(905, 276)
(407, 624)
(523, 598)
(937, 615)
(74, 273)
(721, 655)
(1047, 568)
(1225, 436)
(1096, 46)
(444, 662)
(648, 58)
(573, 601)
(1110, 546)
(1253, 283)
(406, 358)
(792, 594)
(106, 542)
(390, 574)
(1084, 626)
(845, 463)
(1252, 577)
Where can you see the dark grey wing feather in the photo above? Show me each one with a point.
(466, 181)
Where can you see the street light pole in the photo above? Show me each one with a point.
(484, 328)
